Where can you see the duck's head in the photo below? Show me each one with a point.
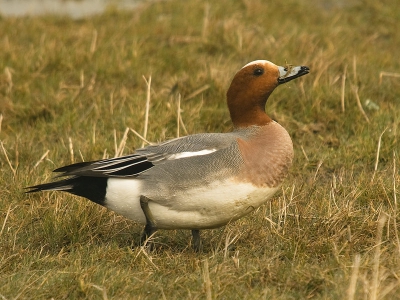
(251, 87)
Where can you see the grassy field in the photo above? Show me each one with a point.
(70, 88)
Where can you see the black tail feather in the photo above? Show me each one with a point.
(62, 185)
(92, 188)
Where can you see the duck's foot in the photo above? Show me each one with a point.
(197, 244)
(150, 227)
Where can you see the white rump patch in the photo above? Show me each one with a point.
(189, 154)
(123, 197)
(260, 61)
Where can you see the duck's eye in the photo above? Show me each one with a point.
(258, 71)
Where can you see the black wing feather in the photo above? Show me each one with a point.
(125, 166)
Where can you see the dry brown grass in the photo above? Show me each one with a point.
(69, 91)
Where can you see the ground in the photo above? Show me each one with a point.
(70, 88)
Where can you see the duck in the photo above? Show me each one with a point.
(199, 181)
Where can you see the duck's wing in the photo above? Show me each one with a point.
(145, 158)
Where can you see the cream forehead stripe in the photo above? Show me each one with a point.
(260, 61)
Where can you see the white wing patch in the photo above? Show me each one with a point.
(189, 154)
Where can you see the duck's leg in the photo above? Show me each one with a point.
(150, 227)
(197, 245)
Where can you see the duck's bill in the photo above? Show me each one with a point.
(289, 73)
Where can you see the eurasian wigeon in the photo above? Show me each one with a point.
(199, 181)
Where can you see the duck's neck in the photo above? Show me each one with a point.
(245, 114)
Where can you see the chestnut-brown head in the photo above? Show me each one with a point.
(251, 87)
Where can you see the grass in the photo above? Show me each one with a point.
(70, 88)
